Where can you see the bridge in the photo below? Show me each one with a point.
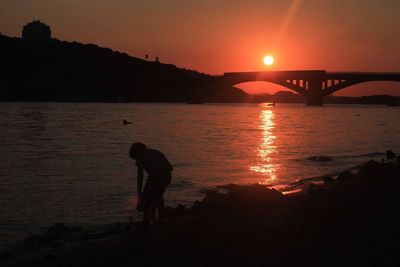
(314, 85)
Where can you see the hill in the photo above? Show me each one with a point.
(69, 71)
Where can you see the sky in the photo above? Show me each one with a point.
(217, 36)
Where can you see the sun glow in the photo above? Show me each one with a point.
(266, 151)
(268, 60)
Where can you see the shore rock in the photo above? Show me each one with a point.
(236, 197)
(372, 167)
(345, 177)
(390, 154)
(328, 180)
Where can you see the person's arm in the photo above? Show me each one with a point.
(140, 180)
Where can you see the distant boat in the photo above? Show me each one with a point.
(271, 104)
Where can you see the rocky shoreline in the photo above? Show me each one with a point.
(348, 220)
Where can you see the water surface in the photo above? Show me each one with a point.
(66, 162)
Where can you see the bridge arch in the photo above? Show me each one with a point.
(299, 85)
(262, 87)
(351, 84)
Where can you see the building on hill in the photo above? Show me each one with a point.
(36, 30)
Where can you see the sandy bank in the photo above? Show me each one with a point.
(349, 221)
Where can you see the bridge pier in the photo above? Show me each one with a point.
(314, 96)
(314, 100)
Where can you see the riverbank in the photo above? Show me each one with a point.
(350, 220)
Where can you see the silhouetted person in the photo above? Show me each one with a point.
(159, 177)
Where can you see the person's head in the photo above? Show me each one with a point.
(136, 149)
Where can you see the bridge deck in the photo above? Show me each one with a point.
(392, 76)
(310, 74)
(314, 85)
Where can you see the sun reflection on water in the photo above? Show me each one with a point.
(265, 165)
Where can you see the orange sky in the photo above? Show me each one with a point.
(216, 36)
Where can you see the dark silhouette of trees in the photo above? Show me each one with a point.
(53, 70)
(36, 30)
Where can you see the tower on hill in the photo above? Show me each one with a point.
(36, 30)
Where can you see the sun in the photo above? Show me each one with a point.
(268, 60)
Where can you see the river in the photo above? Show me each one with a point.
(68, 162)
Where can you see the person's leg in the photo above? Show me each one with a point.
(148, 196)
(160, 208)
(160, 203)
(146, 214)
(153, 212)
(144, 226)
